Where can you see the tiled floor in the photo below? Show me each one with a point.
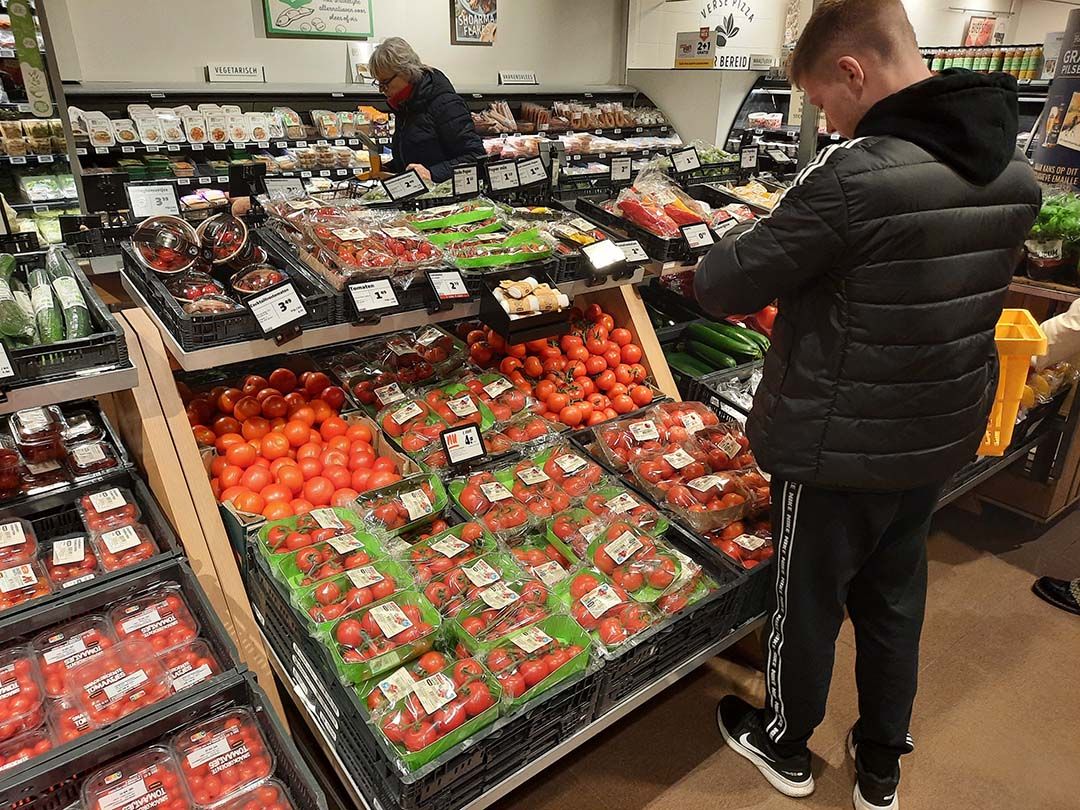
(997, 722)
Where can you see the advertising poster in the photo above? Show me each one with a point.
(473, 22)
(1057, 140)
(326, 19)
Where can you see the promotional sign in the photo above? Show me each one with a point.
(695, 50)
(473, 22)
(325, 19)
(31, 62)
(1057, 139)
(1051, 50)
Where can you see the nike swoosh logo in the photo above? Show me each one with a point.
(744, 741)
(889, 798)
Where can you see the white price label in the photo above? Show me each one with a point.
(697, 235)
(327, 518)
(448, 284)
(301, 144)
(685, 160)
(127, 150)
(503, 176)
(621, 168)
(283, 186)
(101, 150)
(153, 199)
(750, 542)
(498, 596)
(409, 410)
(324, 173)
(449, 546)
(204, 181)
(17, 578)
(623, 547)
(371, 296)
(389, 394)
(404, 186)
(495, 492)
(399, 233)
(364, 577)
(730, 446)
(390, 618)
(496, 387)
(223, 178)
(172, 147)
(466, 181)
(706, 482)
(121, 539)
(344, 543)
(69, 551)
(570, 463)
(692, 422)
(633, 251)
(107, 500)
(621, 503)
(550, 573)
(12, 534)
(463, 444)
(197, 147)
(416, 503)
(644, 431)
(531, 639)
(481, 574)
(748, 157)
(600, 600)
(277, 308)
(398, 685)
(434, 692)
(532, 475)
(679, 459)
(462, 406)
(531, 171)
(86, 454)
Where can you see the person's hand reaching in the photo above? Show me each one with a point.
(425, 175)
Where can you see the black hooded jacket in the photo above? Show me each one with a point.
(890, 256)
(435, 129)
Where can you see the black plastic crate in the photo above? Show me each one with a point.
(717, 196)
(55, 783)
(105, 347)
(476, 277)
(194, 332)
(659, 248)
(755, 592)
(708, 390)
(711, 173)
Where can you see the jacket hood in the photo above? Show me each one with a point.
(431, 85)
(966, 120)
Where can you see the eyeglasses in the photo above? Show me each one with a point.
(382, 85)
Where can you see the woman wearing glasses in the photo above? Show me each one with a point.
(434, 130)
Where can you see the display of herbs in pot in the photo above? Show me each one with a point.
(1053, 243)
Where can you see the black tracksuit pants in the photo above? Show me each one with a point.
(866, 552)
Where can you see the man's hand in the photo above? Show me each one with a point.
(425, 175)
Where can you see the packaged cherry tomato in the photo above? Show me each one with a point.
(725, 444)
(329, 599)
(382, 636)
(82, 426)
(503, 399)
(532, 660)
(41, 475)
(38, 433)
(448, 549)
(144, 781)
(682, 420)
(542, 559)
(452, 590)
(390, 687)
(60, 649)
(457, 405)
(642, 566)
(604, 610)
(160, 616)
(403, 505)
(123, 547)
(500, 609)
(311, 564)
(91, 458)
(487, 497)
(18, 542)
(270, 795)
(190, 665)
(398, 419)
(657, 471)
(421, 438)
(572, 530)
(620, 441)
(541, 496)
(10, 469)
(280, 537)
(21, 750)
(69, 559)
(528, 430)
(21, 583)
(709, 502)
(68, 720)
(615, 502)
(438, 713)
(108, 508)
(223, 756)
(123, 679)
(568, 468)
(22, 695)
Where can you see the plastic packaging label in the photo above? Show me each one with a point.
(692, 422)
(211, 751)
(498, 596)
(706, 482)
(398, 685)
(570, 463)
(623, 547)
(71, 583)
(126, 684)
(399, 233)
(730, 446)
(550, 573)
(679, 459)
(481, 574)
(462, 406)
(108, 500)
(644, 431)
(434, 692)
(532, 475)
(327, 518)
(344, 543)
(531, 640)
(67, 292)
(68, 551)
(600, 600)
(416, 503)
(496, 387)
(121, 539)
(364, 577)
(390, 618)
(389, 394)
(750, 542)
(633, 251)
(406, 412)
(590, 530)
(495, 492)
(622, 503)
(449, 546)
(62, 652)
(34, 419)
(42, 467)
(128, 793)
(17, 578)
(191, 677)
(144, 619)
(86, 454)
(12, 534)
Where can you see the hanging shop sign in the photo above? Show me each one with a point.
(695, 50)
(31, 62)
(1057, 138)
(235, 72)
(473, 22)
(518, 77)
(743, 27)
(325, 19)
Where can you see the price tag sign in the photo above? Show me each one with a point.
(748, 157)
(779, 156)
(466, 180)
(463, 444)
(283, 186)
(373, 297)
(18, 160)
(152, 199)
(448, 285)
(633, 251)
(197, 147)
(531, 171)
(697, 235)
(127, 150)
(101, 150)
(173, 147)
(6, 370)
(404, 186)
(621, 168)
(685, 160)
(503, 176)
(44, 158)
(604, 256)
(277, 309)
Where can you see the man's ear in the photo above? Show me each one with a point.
(852, 71)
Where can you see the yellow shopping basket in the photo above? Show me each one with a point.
(1018, 338)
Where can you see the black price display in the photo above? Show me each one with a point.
(697, 235)
(531, 171)
(466, 180)
(448, 285)
(404, 186)
(503, 176)
(277, 309)
(373, 296)
(620, 169)
(153, 199)
(685, 160)
(463, 444)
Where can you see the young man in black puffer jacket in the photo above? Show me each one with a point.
(890, 257)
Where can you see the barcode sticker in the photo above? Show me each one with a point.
(679, 459)
(449, 546)
(532, 475)
(495, 491)
(498, 596)
(550, 573)
(364, 577)
(570, 463)
(531, 640)
(480, 573)
(600, 600)
(416, 503)
(68, 551)
(622, 548)
(108, 500)
(434, 692)
(390, 618)
(496, 387)
(622, 503)
(644, 431)
(462, 406)
(12, 534)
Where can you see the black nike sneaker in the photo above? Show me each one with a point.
(872, 792)
(741, 725)
(1061, 593)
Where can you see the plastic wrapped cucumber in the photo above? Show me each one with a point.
(66, 287)
(13, 321)
(28, 336)
(50, 323)
(7, 265)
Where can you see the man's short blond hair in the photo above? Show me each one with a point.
(878, 27)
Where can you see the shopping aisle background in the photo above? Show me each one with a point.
(997, 722)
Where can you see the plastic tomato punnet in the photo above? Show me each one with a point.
(21, 750)
(160, 616)
(125, 546)
(448, 550)
(108, 508)
(123, 679)
(190, 665)
(22, 697)
(270, 795)
(22, 582)
(18, 542)
(605, 610)
(60, 649)
(69, 559)
(223, 756)
(147, 780)
(68, 720)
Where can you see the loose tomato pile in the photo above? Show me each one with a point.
(592, 374)
(223, 756)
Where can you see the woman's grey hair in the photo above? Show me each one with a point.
(395, 55)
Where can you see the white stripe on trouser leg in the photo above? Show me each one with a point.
(788, 519)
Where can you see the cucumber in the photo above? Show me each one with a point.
(7, 265)
(66, 287)
(690, 366)
(711, 356)
(22, 298)
(732, 345)
(13, 321)
(50, 324)
(738, 333)
(758, 338)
